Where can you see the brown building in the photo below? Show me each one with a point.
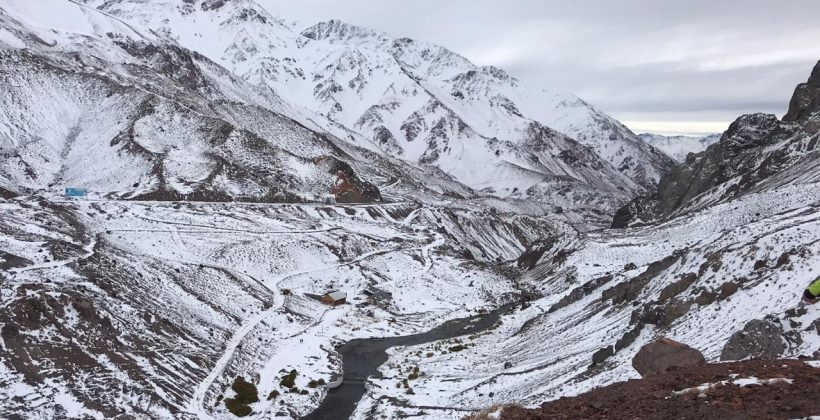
(334, 298)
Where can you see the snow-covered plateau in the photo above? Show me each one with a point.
(484, 242)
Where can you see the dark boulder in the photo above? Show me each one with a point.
(579, 292)
(602, 354)
(4, 193)
(728, 289)
(664, 354)
(759, 339)
(662, 315)
(631, 289)
(677, 287)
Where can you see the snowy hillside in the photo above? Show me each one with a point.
(698, 280)
(117, 298)
(678, 147)
(100, 105)
(114, 298)
(413, 100)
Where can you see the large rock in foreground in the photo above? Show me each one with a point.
(664, 354)
(660, 397)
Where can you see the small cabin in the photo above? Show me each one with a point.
(334, 298)
(76, 192)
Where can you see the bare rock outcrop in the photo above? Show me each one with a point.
(759, 339)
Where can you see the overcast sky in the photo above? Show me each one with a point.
(658, 65)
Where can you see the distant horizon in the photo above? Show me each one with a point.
(663, 67)
(672, 129)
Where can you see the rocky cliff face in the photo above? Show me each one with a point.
(756, 153)
(806, 98)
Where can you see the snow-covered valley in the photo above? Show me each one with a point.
(104, 299)
(182, 298)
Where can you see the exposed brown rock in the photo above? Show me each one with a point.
(677, 287)
(654, 396)
(664, 354)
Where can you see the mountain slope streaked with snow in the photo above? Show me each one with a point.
(411, 99)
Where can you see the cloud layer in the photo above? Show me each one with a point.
(680, 64)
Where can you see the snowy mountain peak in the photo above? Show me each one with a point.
(678, 147)
(482, 77)
(427, 59)
(338, 32)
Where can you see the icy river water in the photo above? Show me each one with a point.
(361, 359)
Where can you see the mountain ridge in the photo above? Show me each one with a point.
(757, 152)
(414, 74)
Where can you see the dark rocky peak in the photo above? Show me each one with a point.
(748, 131)
(483, 75)
(757, 151)
(405, 49)
(806, 98)
(497, 73)
(252, 15)
(236, 11)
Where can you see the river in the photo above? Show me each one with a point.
(362, 357)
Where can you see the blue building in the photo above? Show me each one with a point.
(76, 192)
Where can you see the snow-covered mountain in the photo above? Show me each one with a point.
(264, 102)
(91, 101)
(678, 147)
(412, 99)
